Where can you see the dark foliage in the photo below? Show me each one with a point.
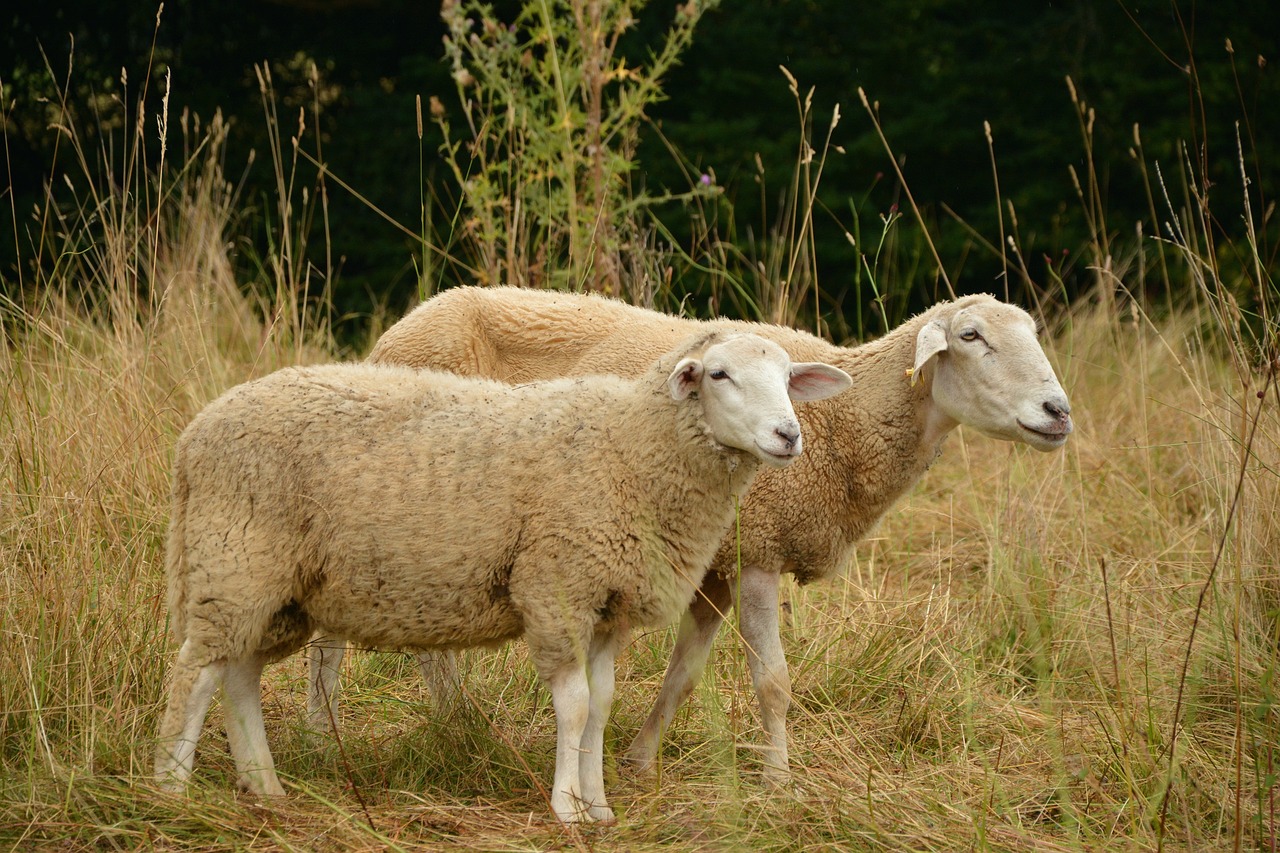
(937, 68)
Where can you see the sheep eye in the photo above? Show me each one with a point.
(719, 374)
(969, 335)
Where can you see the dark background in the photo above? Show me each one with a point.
(938, 68)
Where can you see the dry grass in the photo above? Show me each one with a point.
(1000, 667)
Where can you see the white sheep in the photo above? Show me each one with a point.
(416, 509)
(974, 361)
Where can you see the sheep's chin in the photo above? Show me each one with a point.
(1044, 440)
(774, 460)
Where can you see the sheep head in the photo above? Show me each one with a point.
(746, 385)
(990, 373)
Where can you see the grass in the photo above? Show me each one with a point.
(1073, 651)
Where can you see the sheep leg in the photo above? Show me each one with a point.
(571, 698)
(600, 678)
(242, 691)
(190, 693)
(758, 614)
(324, 665)
(440, 672)
(697, 633)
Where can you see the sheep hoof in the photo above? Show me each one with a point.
(577, 811)
(259, 787)
(170, 785)
(780, 782)
(777, 778)
(601, 814)
(638, 766)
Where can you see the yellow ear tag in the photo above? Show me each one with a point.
(911, 375)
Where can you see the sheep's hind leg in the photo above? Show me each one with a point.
(571, 697)
(440, 671)
(242, 690)
(758, 609)
(698, 629)
(190, 692)
(324, 663)
(600, 678)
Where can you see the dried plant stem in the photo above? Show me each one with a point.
(915, 209)
(1246, 451)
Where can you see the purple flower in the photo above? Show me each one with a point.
(705, 180)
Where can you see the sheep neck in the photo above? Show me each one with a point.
(883, 435)
(696, 485)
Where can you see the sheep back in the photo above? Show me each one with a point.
(862, 449)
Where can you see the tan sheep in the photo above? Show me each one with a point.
(415, 509)
(973, 361)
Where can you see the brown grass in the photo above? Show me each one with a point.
(999, 668)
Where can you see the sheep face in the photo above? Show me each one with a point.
(990, 373)
(746, 385)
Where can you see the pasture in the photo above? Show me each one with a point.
(1065, 651)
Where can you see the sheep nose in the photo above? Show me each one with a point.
(790, 435)
(1060, 409)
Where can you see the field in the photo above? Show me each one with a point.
(1068, 651)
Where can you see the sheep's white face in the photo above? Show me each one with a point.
(991, 374)
(746, 385)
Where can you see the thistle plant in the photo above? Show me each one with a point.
(544, 149)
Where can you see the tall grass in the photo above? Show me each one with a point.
(1035, 652)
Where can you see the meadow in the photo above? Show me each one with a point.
(1066, 651)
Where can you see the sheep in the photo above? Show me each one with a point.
(973, 361)
(406, 508)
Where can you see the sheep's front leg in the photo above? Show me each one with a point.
(190, 692)
(697, 633)
(324, 663)
(758, 612)
(571, 698)
(600, 678)
(242, 691)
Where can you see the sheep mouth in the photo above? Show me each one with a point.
(1055, 435)
(783, 458)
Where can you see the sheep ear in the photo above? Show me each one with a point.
(931, 340)
(816, 381)
(684, 380)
